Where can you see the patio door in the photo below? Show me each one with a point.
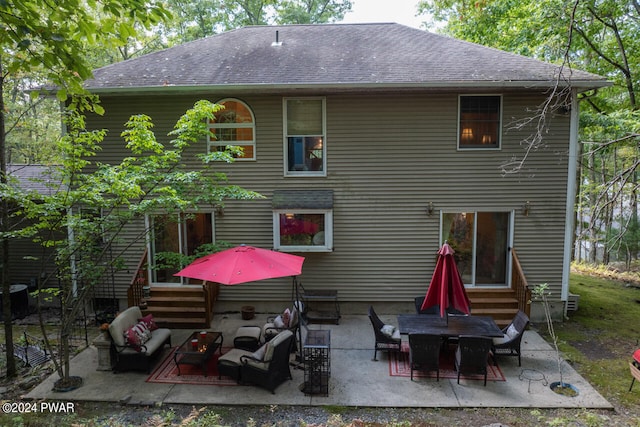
(175, 236)
(481, 242)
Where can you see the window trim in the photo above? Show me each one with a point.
(149, 225)
(285, 138)
(328, 231)
(251, 126)
(499, 130)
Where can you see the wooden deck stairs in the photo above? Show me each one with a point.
(501, 304)
(178, 307)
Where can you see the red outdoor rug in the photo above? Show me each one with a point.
(399, 367)
(167, 372)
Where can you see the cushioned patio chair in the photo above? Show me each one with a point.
(267, 367)
(472, 355)
(509, 344)
(272, 369)
(424, 353)
(387, 336)
(280, 323)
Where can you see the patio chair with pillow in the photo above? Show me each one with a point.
(268, 366)
(387, 336)
(509, 344)
(424, 353)
(472, 355)
(272, 369)
(287, 321)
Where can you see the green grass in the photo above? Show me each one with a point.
(600, 337)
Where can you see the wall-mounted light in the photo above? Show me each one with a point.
(526, 208)
(219, 209)
(430, 208)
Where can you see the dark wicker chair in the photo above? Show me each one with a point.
(272, 370)
(472, 355)
(424, 353)
(509, 345)
(383, 342)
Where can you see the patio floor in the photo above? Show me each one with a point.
(355, 380)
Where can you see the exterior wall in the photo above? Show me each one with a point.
(388, 156)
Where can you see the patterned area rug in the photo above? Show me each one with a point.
(399, 367)
(167, 372)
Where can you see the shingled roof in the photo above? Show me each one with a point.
(338, 56)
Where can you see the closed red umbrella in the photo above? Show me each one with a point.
(446, 288)
(243, 264)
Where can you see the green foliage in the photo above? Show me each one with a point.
(51, 37)
(599, 36)
(194, 20)
(83, 218)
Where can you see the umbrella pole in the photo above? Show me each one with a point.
(296, 305)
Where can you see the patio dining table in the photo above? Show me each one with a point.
(453, 327)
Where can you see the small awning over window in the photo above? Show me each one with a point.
(302, 199)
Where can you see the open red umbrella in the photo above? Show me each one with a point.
(243, 264)
(446, 288)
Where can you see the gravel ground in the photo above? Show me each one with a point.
(295, 416)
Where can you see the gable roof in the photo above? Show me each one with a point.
(338, 56)
(40, 178)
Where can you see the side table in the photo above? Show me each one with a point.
(317, 362)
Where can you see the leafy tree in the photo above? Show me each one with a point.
(194, 20)
(49, 38)
(594, 35)
(94, 202)
(311, 11)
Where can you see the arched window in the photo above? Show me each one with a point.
(234, 125)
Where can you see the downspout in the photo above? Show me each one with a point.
(571, 196)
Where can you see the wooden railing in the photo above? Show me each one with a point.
(140, 279)
(519, 285)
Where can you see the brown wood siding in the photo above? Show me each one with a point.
(388, 156)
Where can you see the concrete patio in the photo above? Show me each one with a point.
(355, 380)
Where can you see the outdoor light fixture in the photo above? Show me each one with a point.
(430, 208)
(219, 209)
(526, 208)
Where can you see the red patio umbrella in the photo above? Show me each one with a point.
(243, 264)
(446, 288)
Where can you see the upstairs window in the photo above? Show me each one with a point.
(480, 117)
(304, 133)
(234, 125)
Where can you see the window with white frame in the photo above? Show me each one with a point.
(303, 220)
(173, 236)
(481, 244)
(480, 121)
(304, 136)
(303, 230)
(233, 126)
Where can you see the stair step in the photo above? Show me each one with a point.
(175, 300)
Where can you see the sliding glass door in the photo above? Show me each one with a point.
(481, 244)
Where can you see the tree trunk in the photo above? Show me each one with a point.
(4, 226)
